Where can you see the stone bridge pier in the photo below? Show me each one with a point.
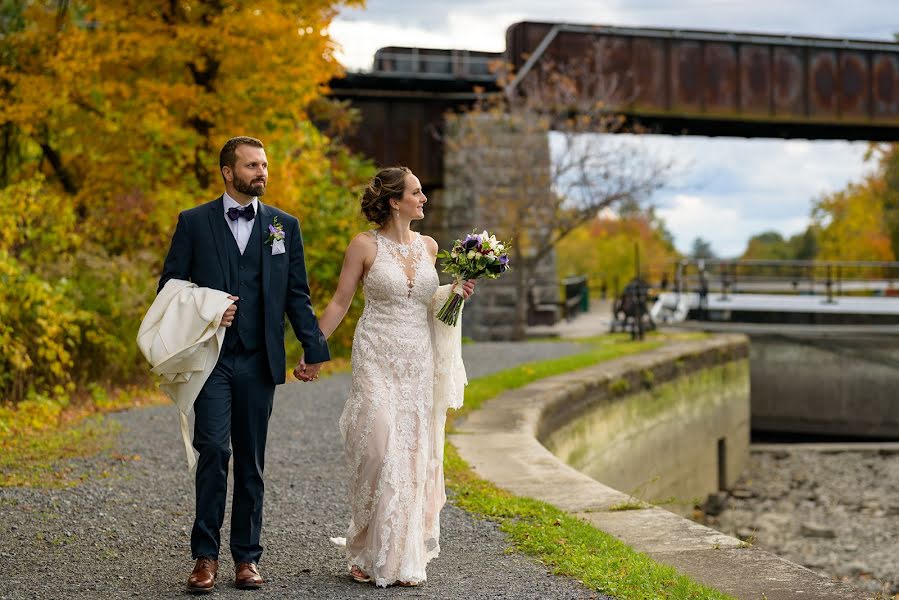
(488, 185)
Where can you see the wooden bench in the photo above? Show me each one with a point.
(541, 313)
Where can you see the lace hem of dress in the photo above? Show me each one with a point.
(404, 575)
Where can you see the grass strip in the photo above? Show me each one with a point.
(43, 442)
(47, 458)
(568, 545)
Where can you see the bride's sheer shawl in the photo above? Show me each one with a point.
(449, 370)
(449, 392)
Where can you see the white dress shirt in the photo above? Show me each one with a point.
(241, 228)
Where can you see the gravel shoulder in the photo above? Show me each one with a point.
(832, 509)
(125, 533)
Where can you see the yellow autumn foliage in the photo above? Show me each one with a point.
(112, 113)
(850, 225)
(604, 250)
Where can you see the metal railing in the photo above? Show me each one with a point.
(813, 277)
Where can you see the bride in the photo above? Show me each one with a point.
(391, 426)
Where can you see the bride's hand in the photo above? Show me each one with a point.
(468, 288)
(305, 372)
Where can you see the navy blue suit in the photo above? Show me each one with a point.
(235, 404)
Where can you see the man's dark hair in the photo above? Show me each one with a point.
(228, 155)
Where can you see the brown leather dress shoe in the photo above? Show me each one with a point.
(202, 579)
(247, 577)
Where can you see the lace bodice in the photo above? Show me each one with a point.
(402, 278)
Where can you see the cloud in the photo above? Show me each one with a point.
(736, 188)
(441, 17)
(797, 147)
(481, 24)
(726, 227)
(690, 217)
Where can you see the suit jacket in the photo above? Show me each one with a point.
(199, 254)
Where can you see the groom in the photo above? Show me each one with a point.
(254, 252)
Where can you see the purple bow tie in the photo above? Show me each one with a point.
(248, 212)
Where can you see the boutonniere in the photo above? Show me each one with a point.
(276, 237)
(275, 232)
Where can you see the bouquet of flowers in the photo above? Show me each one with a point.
(478, 255)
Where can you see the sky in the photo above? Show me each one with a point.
(726, 189)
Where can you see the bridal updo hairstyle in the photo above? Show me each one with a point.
(388, 183)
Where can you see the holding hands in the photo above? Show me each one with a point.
(305, 372)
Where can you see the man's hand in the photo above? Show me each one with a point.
(305, 372)
(228, 317)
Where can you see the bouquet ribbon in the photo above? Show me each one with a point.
(457, 288)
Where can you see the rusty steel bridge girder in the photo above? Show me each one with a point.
(670, 81)
(766, 85)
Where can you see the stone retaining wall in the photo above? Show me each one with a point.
(672, 443)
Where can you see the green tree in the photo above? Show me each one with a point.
(888, 172)
(603, 250)
(804, 246)
(769, 245)
(701, 248)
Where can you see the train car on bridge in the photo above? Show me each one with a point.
(436, 63)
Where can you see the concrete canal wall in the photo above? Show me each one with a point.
(501, 442)
(670, 443)
(826, 383)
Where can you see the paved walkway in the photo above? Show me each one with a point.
(126, 535)
(594, 322)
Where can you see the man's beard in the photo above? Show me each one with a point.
(249, 188)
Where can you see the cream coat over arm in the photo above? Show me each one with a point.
(181, 337)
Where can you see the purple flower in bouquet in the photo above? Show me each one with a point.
(471, 242)
(478, 255)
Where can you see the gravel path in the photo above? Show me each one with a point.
(126, 534)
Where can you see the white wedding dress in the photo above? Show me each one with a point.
(392, 430)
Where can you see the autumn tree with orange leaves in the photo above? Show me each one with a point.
(605, 250)
(112, 113)
(851, 224)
